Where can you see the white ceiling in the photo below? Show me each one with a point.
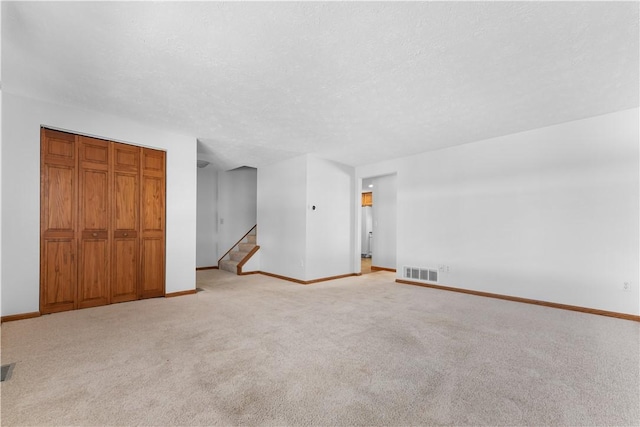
(355, 82)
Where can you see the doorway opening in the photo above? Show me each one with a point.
(366, 232)
(378, 223)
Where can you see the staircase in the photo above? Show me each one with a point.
(237, 256)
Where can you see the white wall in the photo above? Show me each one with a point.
(1, 208)
(295, 240)
(329, 244)
(227, 209)
(207, 217)
(253, 263)
(549, 214)
(237, 206)
(383, 244)
(282, 205)
(22, 119)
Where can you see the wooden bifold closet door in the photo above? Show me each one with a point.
(152, 213)
(58, 218)
(125, 220)
(102, 222)
(94, 200)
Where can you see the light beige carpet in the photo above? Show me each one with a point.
(255, 350)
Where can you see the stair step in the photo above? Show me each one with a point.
(251, 238)
(246, 247)
(228, 265)
(237, 256)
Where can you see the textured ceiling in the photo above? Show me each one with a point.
(355, 82)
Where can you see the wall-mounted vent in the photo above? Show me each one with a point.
(424, 274)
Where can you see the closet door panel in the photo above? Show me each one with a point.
(58, 147)
(94, 225)
(152, 214)
(126, 223)
(94, 273)
(58, 276)
(58, 221)
(59, 200)
(125, 271)
(126, 157)
(94, 151)
(126, 201)
(153, 162)
(152, 266)
(94, 199)
(153, 203)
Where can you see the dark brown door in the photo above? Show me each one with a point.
(125, 222)
(93, 217)
(59, 194)
(152, 213)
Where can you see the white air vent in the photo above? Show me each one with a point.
(423, 274)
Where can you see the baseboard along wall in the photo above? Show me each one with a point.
(624, 316)
(306, 282)
(20, 316)
(181, 293)
(375, 268)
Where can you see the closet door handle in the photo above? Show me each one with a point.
(94, 234)
(124, 234)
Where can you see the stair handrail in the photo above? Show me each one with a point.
(246, 258)
(237, 243)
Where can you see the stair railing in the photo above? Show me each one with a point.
(237, 243)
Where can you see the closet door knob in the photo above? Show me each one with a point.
(94, 234)
(126, 234)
